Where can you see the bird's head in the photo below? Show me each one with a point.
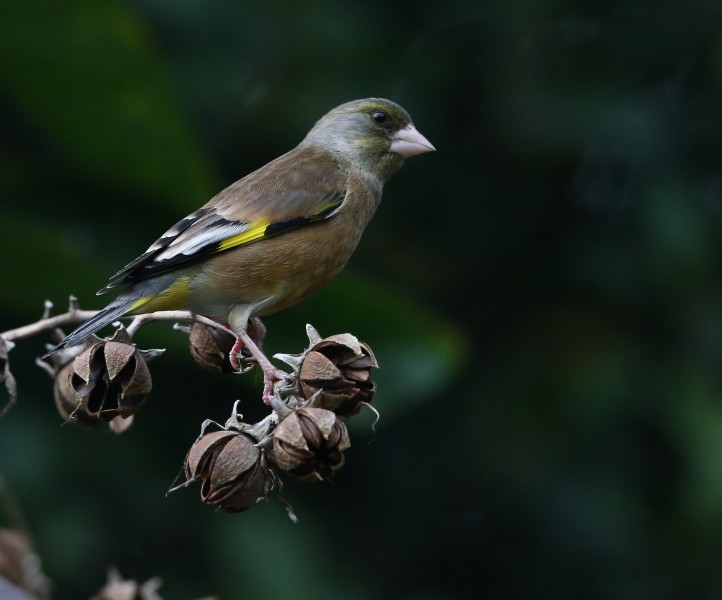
(374, 134)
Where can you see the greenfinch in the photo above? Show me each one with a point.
(276, 236)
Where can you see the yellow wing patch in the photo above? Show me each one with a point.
(172, 298)
(257, 231)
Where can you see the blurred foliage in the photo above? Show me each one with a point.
(543, 293)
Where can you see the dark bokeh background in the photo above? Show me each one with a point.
(543, 293)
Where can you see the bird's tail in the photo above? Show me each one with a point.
(116, 309)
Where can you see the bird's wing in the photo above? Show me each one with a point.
(299, 188)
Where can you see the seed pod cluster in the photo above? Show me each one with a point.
(334, 382)
(305, 437)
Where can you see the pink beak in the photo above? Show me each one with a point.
(409, 142)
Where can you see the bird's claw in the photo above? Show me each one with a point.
(271, 375)
(237, 360)
(235, 354)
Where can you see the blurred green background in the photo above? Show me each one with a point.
(543, 292)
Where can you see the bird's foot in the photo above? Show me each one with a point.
(235, 354)
(271, 374)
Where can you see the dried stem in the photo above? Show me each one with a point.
(75, 316)
(69, 318)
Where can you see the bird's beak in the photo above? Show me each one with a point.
(409, 142)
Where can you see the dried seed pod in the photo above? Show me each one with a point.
(201, 456)
(69, 404)
(210, 347)
(112, 379)
(309, 444)
(232, 471)
(338, 370)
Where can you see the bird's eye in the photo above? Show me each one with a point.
(379, 117)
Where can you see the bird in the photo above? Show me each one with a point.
(274, 237)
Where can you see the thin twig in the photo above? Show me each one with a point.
(68, 318)
(75, 317)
